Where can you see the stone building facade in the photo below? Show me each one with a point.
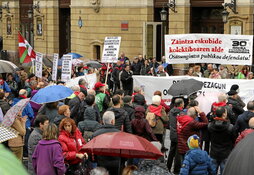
(61, 26)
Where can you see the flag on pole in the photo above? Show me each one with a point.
(26, 52)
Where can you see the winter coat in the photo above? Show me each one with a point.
(48, 158)
(130, 110)
(173, 122)
(115, 74)
(77, 108)
(33, 140)
(89, 123)
(141, 127)
(161, 118)
(243, 135)
(4, 106)
(102, 101)
(71, 145)
(136, 67)
(236, 107)
(151, 167)
(105, 129)
(126, 80)
(28, 111)
(197, 162)
(242, 121)
(121, 119)
(145, 70)
(186, 127)
(166, 107)
(58, 119)
(50, 113)
(230, 114)
(139, 100)
(19, 126)
(222, 139)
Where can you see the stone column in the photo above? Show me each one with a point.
(179, 23)
(10, 26)
(47, 42)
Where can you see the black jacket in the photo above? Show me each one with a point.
(242, 121)
(115, 74)
(139, 100)
(4, 106)
(126, 80)
(136, 67)
(77, 108)
(130, 110)
(173, 113)
(121, 119)
(236, 107)
(222, 139)
(58, 119)
(105, 129)
(145, 69)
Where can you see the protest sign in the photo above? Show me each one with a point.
(150, 84)
(91, 79)
(209, 48)
(38, 65)
(54, 68)
(66, 67)
(111, 49)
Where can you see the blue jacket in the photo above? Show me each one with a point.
(5, 87)
(197, 162)
(28, 111)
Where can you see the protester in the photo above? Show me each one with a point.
(190, 71)
(209, 70)
(72, 142)
(222, 138)
(166, 107)
(126, 80)
(145, 68)
(235, 87)
(236, 106)
(196, 161)
(3, 104)
(160, 117)
(161, 72)
(135, 67)
(50, 110)
(13, 85)
(47, 156)
(101, 97)
(40, 124)
(250, 76)
(197, 71)
(63, 112)
(215, 74)
(128, 107)
(167, 67)
(223, 72)
(246, 131)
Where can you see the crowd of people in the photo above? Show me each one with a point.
(51, 136)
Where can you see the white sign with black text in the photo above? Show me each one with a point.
(54, 68)
(38, 65)
(111, 49)
(66, 67)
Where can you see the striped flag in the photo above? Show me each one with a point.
(26, 52)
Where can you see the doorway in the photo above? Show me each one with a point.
(64, 31)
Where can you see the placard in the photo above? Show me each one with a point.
(54, 67)
(66, 67)
(38, 65)
(111, 49)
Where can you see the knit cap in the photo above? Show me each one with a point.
(193, 142)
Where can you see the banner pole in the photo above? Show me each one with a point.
(106, 77)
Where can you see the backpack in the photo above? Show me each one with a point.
(151, 118)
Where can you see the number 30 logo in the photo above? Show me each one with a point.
(239, 43)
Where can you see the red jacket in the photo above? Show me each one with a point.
(186, 127)
(167, 108)
(243, 134)
(71, 145)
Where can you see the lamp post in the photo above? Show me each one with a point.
(225, 13)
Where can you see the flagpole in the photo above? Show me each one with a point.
(106, 77)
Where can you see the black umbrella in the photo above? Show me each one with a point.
(94, 64)
(241, 159)
(185, 87)
(7, 66)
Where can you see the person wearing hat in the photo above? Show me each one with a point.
(196, 161)
(235, 87)
(232, 100)
(101, 98)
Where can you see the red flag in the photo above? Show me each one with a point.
(26, 52)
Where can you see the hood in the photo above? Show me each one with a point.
(48, 142)
(219, 125)
(247, 115)
(155, 109)
(198, 156)
(219, 104)
(90, 113)
(119, 112)
(183, 120)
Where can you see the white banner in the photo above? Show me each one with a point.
(66, 67)
(111, 49)
(54, 67)
(151, 84)
(209, 48)
(91, 79)
(38, 65)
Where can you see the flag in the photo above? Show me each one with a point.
(26, 52)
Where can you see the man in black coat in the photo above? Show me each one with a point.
(222, 138)
(3, 104)
(126, 80)
(232, 101)
(128, 106)
(136, 67)
(115, 75)
(121, 116)
(242, 121)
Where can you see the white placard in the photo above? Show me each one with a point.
(66, 67)
(38, 65)
(111, 49)
(91, 79)
(209, 48)
(54, 67)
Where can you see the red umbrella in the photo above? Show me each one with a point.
(121, 144)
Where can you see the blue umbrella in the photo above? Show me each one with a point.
(51, 94)
(75, 55)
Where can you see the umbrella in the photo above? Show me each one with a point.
(7, 67)
(240, 160)
(76, 62)
(185, 87)
(13, 111)
(121, 144)
(94, 64)
(7, 133)
(75, 55)
(51, 94)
